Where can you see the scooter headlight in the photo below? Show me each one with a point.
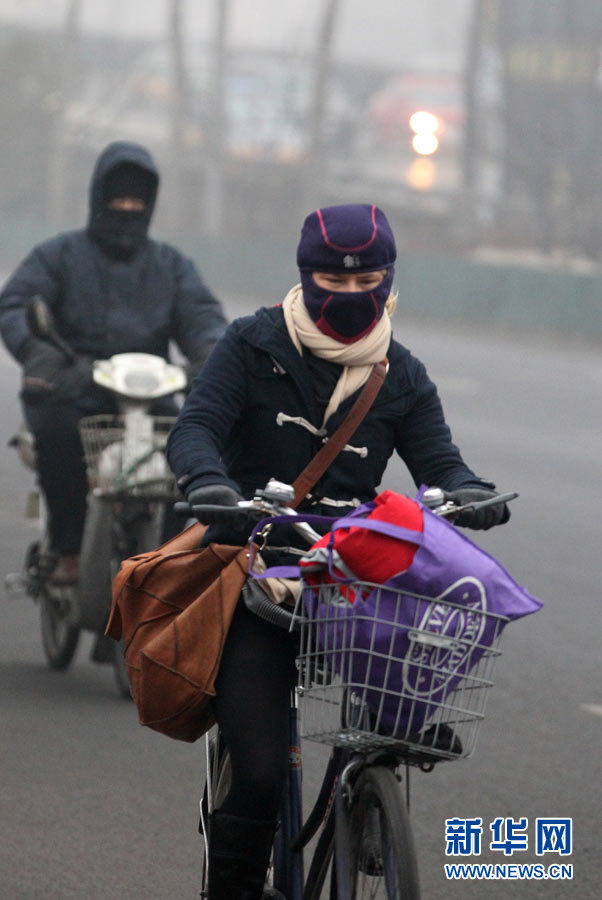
(141, 384)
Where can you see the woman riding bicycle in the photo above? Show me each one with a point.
(275, 386)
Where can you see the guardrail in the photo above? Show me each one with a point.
(440, 287)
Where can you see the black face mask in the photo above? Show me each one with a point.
(120, 233)
(346, 316)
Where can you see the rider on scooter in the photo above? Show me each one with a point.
(111, 289)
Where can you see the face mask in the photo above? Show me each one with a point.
(121, 232)
(345, 316)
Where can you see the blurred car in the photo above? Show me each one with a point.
(394, 107)
(415, 135)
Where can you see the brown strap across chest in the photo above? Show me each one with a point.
(323, 458)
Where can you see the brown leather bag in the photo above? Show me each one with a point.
(172, 607)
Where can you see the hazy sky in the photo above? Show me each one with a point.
(406, 31)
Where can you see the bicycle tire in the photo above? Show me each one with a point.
(59, 637)
(374, 847)
(120, 672)
(224, 780)
(221, 788)
(138, 540)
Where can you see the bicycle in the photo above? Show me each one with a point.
(365, 838)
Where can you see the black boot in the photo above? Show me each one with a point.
(239, 853)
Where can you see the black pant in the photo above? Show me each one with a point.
(60, 461)
(61, 469)
(257, 673)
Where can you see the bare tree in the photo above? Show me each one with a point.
(58, 161)
(216, 121)
(322, 68)
(179, 112)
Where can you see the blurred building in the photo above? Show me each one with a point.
(533, 165)
(470, 121)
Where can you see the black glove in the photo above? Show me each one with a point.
(47, 374)
(496, 514)
(40, 361)
(73, 380)
(218, 495)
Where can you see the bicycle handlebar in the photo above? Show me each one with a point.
(216, 513)
(271, 501)
(435, 499)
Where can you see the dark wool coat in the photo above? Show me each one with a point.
(104, 305)
(229, 430)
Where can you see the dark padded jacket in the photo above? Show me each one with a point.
(232, 429)
(103, 305)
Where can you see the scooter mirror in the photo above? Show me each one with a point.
(41, 323)
(39, 317)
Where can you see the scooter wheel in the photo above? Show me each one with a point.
(59, 636)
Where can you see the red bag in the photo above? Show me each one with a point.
(370, 556)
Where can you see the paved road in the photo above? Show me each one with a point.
(92, 806)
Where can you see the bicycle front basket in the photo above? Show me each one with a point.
(384, 667)
(127, 457)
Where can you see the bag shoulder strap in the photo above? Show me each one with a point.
(314, 470)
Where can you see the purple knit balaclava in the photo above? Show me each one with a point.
(349, 238)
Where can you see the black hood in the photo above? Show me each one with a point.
(120, 233)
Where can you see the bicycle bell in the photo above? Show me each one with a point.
(433, 497)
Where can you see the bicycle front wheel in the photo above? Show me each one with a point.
(375, 854)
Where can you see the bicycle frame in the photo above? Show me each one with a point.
(360, 778)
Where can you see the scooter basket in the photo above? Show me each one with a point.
(125, 455)
(411, 673)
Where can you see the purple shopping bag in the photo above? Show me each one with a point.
(407, 646)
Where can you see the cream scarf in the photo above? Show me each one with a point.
(357, 359)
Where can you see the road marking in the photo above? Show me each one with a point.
(594, 708)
